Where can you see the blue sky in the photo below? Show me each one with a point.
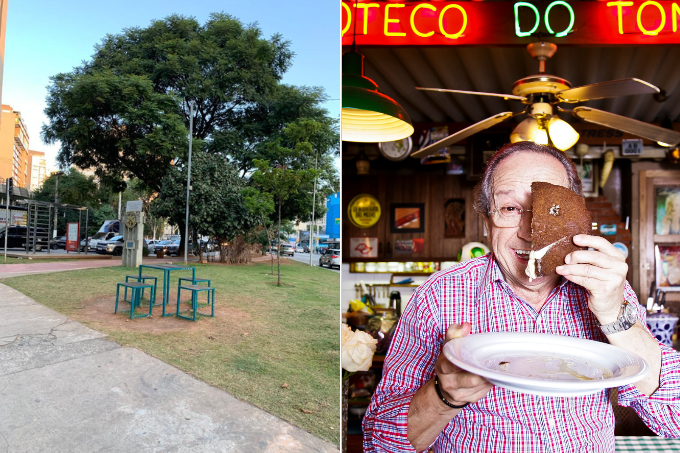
(46, 37)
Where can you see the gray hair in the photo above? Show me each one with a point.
(483, 189)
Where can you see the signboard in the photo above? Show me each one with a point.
(445, 23)
(134, 206)
(363, 247)
(72, 236)
(364, 211)
(631, 147)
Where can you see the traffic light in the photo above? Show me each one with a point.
(9, 182)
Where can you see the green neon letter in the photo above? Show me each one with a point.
(571, 22)
(519, 32)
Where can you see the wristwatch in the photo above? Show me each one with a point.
(626, 320)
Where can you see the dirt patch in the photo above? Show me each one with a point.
(98, 312)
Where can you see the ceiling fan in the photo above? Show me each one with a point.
(541, 93)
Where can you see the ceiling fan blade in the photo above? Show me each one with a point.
(460, 135)
(478, 93)
(612, 89)
(629, 125)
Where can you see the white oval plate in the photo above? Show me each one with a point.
(544, 364)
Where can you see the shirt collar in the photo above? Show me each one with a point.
(493, 274)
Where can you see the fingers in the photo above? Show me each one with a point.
(457, 331)
(466, 394)
(600, 244)
(592, 272)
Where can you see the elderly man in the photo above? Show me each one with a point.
(493, 294)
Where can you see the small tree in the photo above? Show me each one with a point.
(283, 175)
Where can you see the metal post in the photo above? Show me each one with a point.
(192, 104)
(120, 200)
(28, 226)
(311, 227)
(80, 219)
(6, 216)
(87, 227)
(56, 202)
(35, 227)
(54, 239)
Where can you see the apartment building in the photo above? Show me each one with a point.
(38, 169)
(14, 151)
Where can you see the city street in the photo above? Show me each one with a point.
(304, 258)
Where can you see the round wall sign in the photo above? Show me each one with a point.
(364, 211)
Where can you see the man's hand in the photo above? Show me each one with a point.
(457, 385)
(602, 272)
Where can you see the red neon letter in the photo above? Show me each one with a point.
(413, 22)
(389, 21)
(366, 6)
(619, 6)
(441, 22)
(349, 18)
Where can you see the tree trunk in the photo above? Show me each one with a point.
(278, 246)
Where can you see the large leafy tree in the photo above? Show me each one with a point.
(125, 112)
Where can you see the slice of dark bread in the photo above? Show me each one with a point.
(558, 214)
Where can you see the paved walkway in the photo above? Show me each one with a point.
(66, 388)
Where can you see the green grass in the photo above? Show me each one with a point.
(263, 336)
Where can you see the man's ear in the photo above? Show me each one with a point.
(487, 224)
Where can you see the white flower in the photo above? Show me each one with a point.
(357, 349)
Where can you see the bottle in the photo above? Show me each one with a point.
(395, 302)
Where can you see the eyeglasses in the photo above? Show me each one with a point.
(508, 216)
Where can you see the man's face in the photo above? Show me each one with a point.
(511, 186)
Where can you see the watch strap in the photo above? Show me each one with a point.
(623, 323)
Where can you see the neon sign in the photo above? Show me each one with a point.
(623, 22)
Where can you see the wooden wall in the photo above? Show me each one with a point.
(433, 188)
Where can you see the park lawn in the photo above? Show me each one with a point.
(275, 347)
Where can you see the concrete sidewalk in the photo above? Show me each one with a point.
(66, 388)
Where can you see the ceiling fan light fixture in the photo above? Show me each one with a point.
(369, 116)
(562, 134)
(525, 131)
(541, 137)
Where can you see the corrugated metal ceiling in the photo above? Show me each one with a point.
(397, 70)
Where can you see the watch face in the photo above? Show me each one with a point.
(631, 313)
(396, 150)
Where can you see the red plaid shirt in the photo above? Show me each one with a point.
(506, 421)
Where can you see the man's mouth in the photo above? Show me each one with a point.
(524, 254)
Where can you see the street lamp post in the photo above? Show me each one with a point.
(192, 105)
(311, 227)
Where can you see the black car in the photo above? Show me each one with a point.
(59, 243)
(17, 235)
(168, 247)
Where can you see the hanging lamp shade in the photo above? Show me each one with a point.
(525, 131)
(562, 134)
(369, 116)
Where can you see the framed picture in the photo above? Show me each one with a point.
(407, 218)
(589, 178)
(667, 260)
(454, 216)
(409, 246)
(667, 209)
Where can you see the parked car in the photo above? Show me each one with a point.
(331, 258)
(299, 249)
(151, 243)
(173, 248)
(114, 246)
(16, 238)
(287, 249)
(305, 249)
(96, 239)
(58, 243)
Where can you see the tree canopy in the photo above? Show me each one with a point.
(125, 112)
